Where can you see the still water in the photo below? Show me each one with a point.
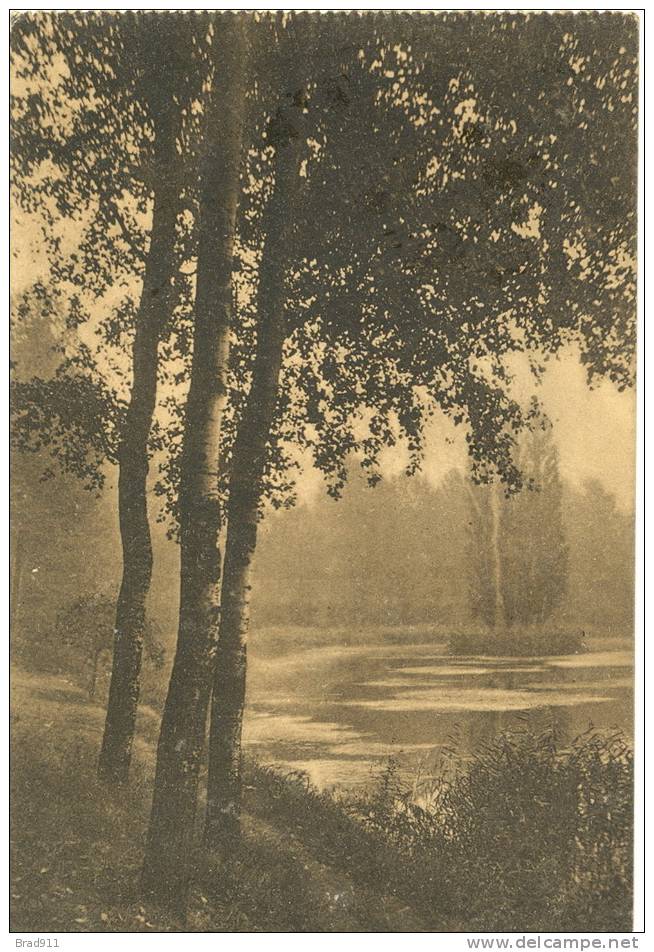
(338, 711)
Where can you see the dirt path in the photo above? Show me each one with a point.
(352, 906)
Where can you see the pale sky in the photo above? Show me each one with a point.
(595, 429)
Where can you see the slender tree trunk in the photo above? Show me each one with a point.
(181, 742)
(16, 579)
(154, 310)
(245, 489)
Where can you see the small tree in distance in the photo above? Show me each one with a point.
(518, 554)
(533, 543)
(87, 626)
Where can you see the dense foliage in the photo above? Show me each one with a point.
(529, 834)
(447, 220)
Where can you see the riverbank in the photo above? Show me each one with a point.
(493, 851)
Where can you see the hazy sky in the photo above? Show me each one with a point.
(595, 429)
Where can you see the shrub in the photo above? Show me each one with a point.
(84, 636)
(517, 643)
(530, 836)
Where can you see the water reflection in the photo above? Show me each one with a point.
(337, 711)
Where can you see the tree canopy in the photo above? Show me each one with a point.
(450, 215)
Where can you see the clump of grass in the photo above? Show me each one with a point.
(320, 819)
(514, 643)
(77, 844)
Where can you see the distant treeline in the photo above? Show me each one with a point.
(399, 554)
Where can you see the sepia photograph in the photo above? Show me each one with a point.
(322, 471)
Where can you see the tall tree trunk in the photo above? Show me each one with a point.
(181, 741)
(245, 489)
(16, 579)
(154, 311)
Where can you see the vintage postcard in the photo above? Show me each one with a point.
(323, 349)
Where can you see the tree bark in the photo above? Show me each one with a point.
(181, 741)
(154, 310)
(222, 828)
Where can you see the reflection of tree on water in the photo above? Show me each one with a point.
(515, 678)
(479, 728)
(429, 775)
(340, 689)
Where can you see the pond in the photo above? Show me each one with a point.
(338, 711)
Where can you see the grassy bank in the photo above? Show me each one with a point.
(530, 836)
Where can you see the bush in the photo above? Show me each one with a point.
(515, 643)
(80, 644)
(528, 834)
(531, 836)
